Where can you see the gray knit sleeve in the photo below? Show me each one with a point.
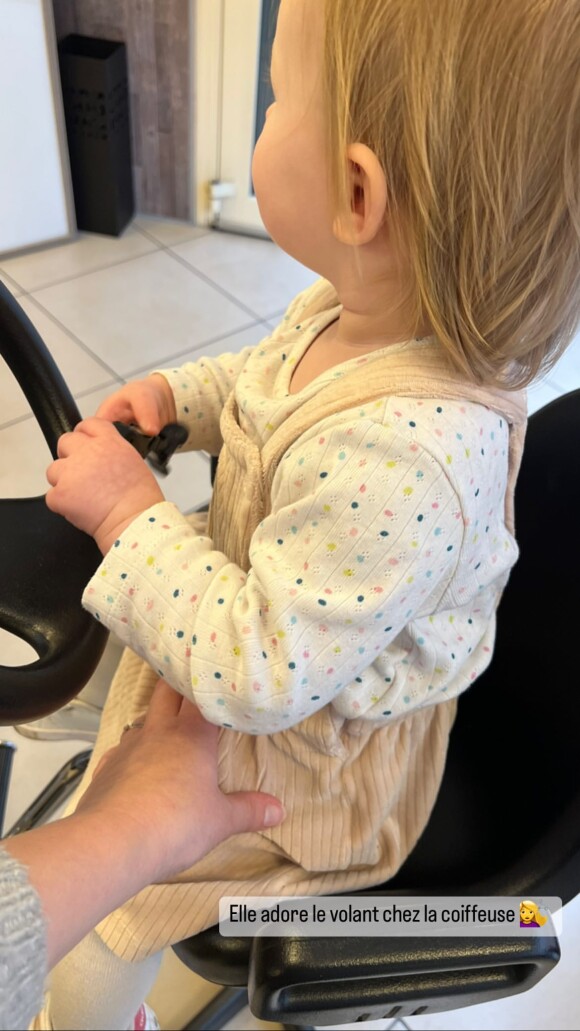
(22, 946)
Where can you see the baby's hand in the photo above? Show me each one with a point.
(99, 482)
(147, 403)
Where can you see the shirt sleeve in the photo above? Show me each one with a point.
(200, 390)
(365, 530)
(23, 962)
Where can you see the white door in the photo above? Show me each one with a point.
(232, 60)
(35, 193)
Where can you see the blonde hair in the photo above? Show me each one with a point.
(473, 109)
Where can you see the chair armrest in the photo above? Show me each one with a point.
(341, 980)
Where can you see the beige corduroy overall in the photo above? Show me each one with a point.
(358, 795)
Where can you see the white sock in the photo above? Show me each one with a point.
(92, 988)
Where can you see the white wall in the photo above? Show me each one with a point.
(33, 183)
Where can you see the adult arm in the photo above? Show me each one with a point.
(22, 945)
(153, 809)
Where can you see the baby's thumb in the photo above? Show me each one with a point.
(149, 419)
(253, 811)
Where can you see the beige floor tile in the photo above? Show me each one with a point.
(142, 312)
(25, 454)
(256, 272)
(275, 319)
(169, 232)
(14, 651)
(25, 457)
(252, 335)
(86, 253)
(13, 403)
(81, 372)
(15, 290)
(188, 484)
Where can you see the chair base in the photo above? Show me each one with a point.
(226, 1005)
(223, 1008)
(54, 794)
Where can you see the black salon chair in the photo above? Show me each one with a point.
(507, 819)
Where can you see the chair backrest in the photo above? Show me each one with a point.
(507, 818)
(44, 561)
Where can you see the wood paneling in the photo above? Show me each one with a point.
(157, 36)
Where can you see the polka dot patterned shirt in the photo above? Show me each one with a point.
(374, 580)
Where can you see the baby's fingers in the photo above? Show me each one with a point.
(53, 472)
(137, 410)
(116, 409)
(68, 444)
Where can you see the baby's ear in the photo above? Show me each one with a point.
(368, 198)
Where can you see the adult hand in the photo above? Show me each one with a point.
(152, 809)
(147, 403)
(99, 482)
(160, 784)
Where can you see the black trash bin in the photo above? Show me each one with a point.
(96, 105)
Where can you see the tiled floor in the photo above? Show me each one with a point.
(113, 309)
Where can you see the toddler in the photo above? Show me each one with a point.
(422, 156)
